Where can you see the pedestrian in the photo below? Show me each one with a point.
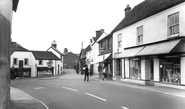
(86, 71)
(104, 73)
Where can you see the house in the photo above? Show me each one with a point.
(26, 63)
(92, 52)
(70, 60)
(59, 54)
(148, 44)
(105, 55)
(82, 60)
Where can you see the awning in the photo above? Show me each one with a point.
(101, 58)
(129, 52)
(159, 48)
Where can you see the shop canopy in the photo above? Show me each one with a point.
(159, 48)
(101, 58)
(164, 47)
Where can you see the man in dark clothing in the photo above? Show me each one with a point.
(86, 71)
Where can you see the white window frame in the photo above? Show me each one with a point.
(15, 63)
(40, 62)
(173, 24)
(120, 40)
(25, 61)
(140, 35)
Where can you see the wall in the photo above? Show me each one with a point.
(154, 28)
(5, 38)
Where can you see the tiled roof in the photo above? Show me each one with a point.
(17, 47)
(146, 9)
(70, 59)
(44, 55)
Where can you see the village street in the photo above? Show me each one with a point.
(69, 91)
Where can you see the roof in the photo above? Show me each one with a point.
(82, 53)
(102, 39)
(56, 50)
(70, 59)
(15, 4)
(44, 55)
(146, 9)
(17, 47)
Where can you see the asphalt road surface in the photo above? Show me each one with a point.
(69, 91)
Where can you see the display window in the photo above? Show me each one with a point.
(170, 70)
(135, 69)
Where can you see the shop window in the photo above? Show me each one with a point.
(135, 69)
(170, 70)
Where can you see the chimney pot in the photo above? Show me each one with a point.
(127, 10)
(54, 44)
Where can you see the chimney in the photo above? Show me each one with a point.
(99, 33)
(54, 44)
(127, 10)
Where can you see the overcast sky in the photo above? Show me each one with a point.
(69, 22)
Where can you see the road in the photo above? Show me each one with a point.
(69, 91)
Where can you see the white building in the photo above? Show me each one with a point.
(59, 54)
(149, 43)
(25, 63)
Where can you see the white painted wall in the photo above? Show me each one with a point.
(154, 28)
(156, 69)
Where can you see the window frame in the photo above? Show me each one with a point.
(15, 63)
(40, 62)
(140, 35)
(110, 43)
(173, 26)
(25, 61)
(119, 42)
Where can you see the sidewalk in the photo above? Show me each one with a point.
(21, 100)
(159, 89)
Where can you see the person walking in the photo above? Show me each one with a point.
(104, 73)
(86, 71)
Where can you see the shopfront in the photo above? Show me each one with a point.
(170, 69)
(135, 68)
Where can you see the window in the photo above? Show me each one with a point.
(119, 40)
(15, 62)
(140, 35)
(173, 22)
(26, 61)
(110, 43)
(40, 62)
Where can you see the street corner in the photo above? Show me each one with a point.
(22, 100)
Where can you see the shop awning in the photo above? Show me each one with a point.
(131, 52)
(101, 58)
(159, 48)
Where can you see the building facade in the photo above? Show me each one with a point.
(105, 55)
(149, 47)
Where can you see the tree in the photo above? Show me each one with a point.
(65, 50)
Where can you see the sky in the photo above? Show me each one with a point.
(37, 23)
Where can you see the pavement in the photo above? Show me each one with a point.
(22, 100)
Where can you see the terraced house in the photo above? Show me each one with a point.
(148, 44)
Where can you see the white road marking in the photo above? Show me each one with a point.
(39, 88)
(96, 96)
(70, 89)
(124, 107)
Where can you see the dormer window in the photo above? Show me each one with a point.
(173, 24)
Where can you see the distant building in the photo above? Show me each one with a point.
(26, 63)
(70, 60)
(59, 54)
